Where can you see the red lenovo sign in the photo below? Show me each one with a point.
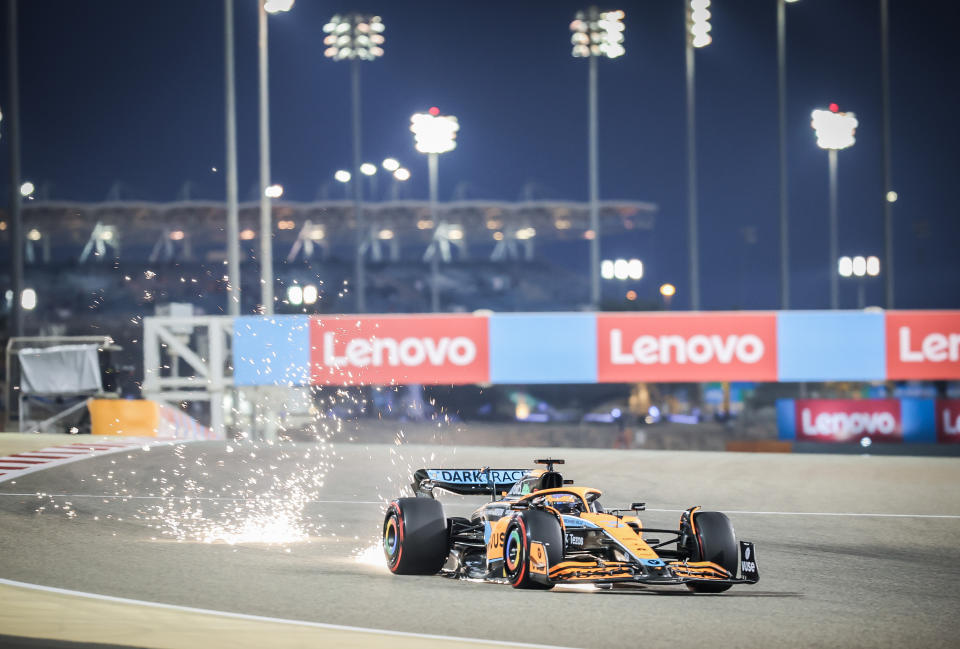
(923, 345)
(690, 347)
(848, 420)
(387, 350)
(947, 412)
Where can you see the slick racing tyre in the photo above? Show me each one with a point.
(415, 536)
(713, 539)
(532, 543)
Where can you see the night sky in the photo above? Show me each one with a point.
(133, 92)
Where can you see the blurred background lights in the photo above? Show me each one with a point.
(277, 6)
(354, 37)
(247, 234)
(390, 164)
(892, 196)
(273, 191)
(385, 234)
(621, 269)
(295, 295)
(873, 266)
(597, 33)
(27, 189)
(34, 235)
(699, 23)
(342, 175)
(845, 267)
(668, 290)
(859, 266)
(434, 133)
(28, 299)
(835, 130)
(368, 169)
(402, 174)
(310, 294)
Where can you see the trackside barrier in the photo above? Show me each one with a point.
(596, 347)
(844, 421)
(144, 418)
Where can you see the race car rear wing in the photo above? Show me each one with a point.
(466, 482)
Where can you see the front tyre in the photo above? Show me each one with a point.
(532, 543)
(712, 539)
(415, 536)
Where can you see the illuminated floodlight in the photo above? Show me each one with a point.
(295, 295)
(28, 299)
(621, 269)
(385, 234)
(698, 23)
(317, 233)
(835, 130)
(310, 294)
(342, 175)
(277, 6)
(273, 191)
(27, 189)
(859, 266)
(845, 267)
(434, 133)
(368, 168)
(606, 269)
(455, 233)
(34, 235)
(873, 266)
(526, 233)
(402, 174)
(390, 164)
(247, 234)
(668, 290)
(635, 269)
(354, 36)
(597, 33)
(892, 196)
(424, 224)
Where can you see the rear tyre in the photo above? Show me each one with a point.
(713, 539)
(525, 529)
(415, 536)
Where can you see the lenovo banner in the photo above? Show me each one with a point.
(848, 420)
(689, 347)
(947, 412)
(386, 350)
(923, 344)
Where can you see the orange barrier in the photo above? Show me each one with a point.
(759, 446)
(143, 418)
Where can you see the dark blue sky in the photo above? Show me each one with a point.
(133, 92)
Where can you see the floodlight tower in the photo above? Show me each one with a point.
(697, 16)
(356, 37)
(859, 267)
(266, 216)
(782, 119)
(835, 131)
(595, 34)
(434, 134)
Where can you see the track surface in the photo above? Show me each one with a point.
(826, 581)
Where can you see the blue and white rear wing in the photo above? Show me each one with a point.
(466, 482)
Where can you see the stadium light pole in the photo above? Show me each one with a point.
(835, 131)
(434, 134)
(233, 217)
(356, 37)
(595, 34)
(697, 18)
(782, 115)
(890, 196)
(15, 326)
(266, 217)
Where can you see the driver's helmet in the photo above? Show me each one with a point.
(564, 503)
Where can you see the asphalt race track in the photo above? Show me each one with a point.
(853, 551)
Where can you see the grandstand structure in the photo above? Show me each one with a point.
(132, 256)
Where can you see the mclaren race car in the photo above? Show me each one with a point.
(540, 530)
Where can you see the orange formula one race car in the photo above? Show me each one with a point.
(540, 530)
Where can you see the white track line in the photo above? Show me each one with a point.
(275, 620)
(384, 502)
